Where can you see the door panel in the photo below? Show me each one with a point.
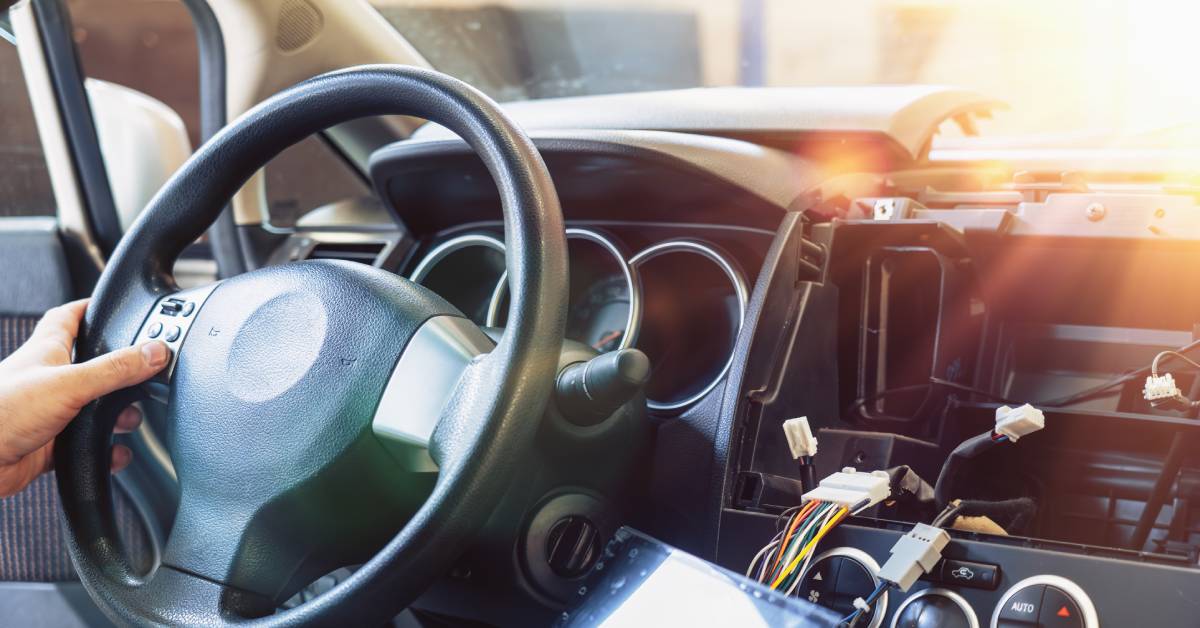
(36, 274)
(35, 279)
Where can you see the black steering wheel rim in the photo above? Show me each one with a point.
(478, 459)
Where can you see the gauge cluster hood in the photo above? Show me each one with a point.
(905, 117)
(433, 181)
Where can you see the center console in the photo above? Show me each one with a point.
(899, 340)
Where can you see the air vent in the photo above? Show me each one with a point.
(362, 252)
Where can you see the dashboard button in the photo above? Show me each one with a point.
(839, 576)
(821, 582)
(964, 573)
(174, 334)
(155, 330)
(1023, 607)
(1059, 610)
(1045, 601)
(170, 307)
(188, 308)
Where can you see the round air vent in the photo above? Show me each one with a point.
(563, 539)
(572, 546)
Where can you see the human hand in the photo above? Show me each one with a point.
(41, 391)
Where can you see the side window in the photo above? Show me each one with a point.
(141, 61)
(149, 47)
(24, 181)
(302, 178)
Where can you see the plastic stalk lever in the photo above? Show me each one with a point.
(589, 392)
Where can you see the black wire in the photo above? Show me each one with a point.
(1101, 390)
(970, 389)
(1160, 491)
(863, 401)
(877, 593)
(808, 474)
(786, 516)
(947, 515)
(933, 383)
(966, 450)
(1095, 392)
(852, 619)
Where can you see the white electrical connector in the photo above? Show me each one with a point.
(1017, 422)
(800, 438)
(853, 489)
(1159, 387)
(914, 555)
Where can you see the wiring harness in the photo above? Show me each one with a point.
(782, 562)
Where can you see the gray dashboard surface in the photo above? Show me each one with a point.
(906, 115)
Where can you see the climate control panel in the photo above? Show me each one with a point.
(991, 582)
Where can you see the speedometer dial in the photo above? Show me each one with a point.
(600, 316)
(604, 307)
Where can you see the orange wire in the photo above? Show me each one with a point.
(841, 514)
(795, 523)
(792, 529)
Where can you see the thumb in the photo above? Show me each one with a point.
(116, 370)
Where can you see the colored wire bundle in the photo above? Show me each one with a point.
(780, 564)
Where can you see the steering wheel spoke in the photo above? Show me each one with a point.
(268, 551)
(440, 362)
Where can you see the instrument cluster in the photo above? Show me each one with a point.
(682, 301)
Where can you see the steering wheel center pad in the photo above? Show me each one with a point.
(272, 407)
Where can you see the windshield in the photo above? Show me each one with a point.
(1083, 69)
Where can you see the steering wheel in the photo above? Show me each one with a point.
(317, 410)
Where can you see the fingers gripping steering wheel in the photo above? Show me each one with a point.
(309, 402)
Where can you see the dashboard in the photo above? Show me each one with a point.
(766, 280)
(663, 243)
